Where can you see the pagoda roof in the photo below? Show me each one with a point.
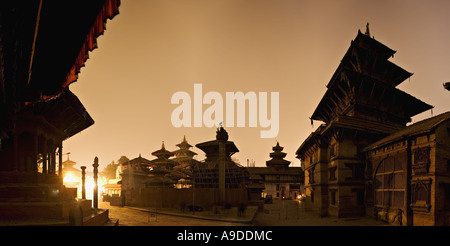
(184, 144)
(162, 160)
(133, 170)
(65, 113)
(162, 152)
(183, 152)
(159, 171)
(365, 41)
(365, 65)
(138, 161)
(68, 163)
(410, 104)
(212, 146)
(420, 127)
(71, 169)
(277, 157)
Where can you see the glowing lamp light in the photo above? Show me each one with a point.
(69, 178)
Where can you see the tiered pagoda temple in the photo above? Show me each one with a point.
(162, 167)
(278, 162)
(162, 160)
(361, 105)
(183, 155)
(280, 180)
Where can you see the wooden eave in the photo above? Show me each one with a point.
(65, 113)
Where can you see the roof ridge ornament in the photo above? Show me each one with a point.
(447, 86)
(367, 30)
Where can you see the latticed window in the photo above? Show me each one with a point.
(332, 173)
(333, 150)
(311, 174)
(390, 184)
(333, 197)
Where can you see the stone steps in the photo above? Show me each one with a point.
(35, 192)
(34, 210)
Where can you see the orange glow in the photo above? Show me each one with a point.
(69, 178)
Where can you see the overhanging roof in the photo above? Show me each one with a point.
(65, 113)
(420, 127)
(66, 32)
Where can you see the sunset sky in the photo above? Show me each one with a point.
(155, 48)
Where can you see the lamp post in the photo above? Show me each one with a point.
(95, 165)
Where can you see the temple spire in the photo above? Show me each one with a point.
(367, 30)
(277, 160)
(162, 153)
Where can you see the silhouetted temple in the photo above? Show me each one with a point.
(135, 173)
(43, 45)
(181, 181)
(360, 107)
(277, 162)
(206, 173)
(280, 181)
(162, 160)
(183, 155)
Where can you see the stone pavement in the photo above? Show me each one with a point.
(134, 216)
(292, 213)
(280, 213)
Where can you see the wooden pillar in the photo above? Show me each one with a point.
(60, 160)
(49, 159)
(53, 153)
(44, 156)
(15, 163)
(35, 152)
(409, 213)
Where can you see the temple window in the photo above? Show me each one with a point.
(390, 184)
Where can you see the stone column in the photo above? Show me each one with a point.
(83, 182)
(222, 171)
(95, 165)
(222, 138)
